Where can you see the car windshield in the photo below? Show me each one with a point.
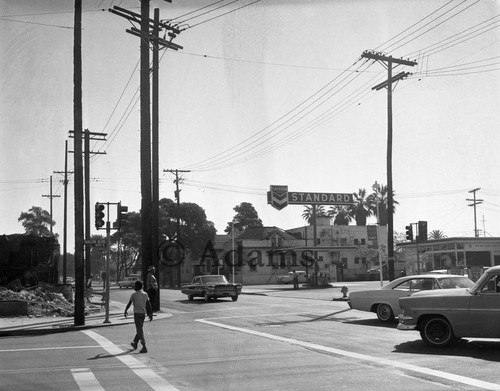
(455, 282)
(214, 280)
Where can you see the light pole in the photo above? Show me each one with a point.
(232, 245)
(376, 188)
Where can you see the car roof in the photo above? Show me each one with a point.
(411, 277)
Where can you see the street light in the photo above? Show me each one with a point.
(232, 245)
(376, 188)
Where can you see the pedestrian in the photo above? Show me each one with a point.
(103, 278)
(142, 306)
(295, 280)
(152, 286)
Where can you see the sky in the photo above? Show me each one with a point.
(270, 92)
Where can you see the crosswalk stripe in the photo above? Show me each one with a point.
(86, 380)
(152, 379)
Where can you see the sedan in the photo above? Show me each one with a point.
(128, 282)
(385, 300)
(443, 317)
(211, 287)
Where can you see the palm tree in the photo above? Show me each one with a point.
(307, 215)
(342, 214)
(380, 196)
(436, 234)
(362, 208)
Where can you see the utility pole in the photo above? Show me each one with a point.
(51, 196)
(78, 168)
(87, 136)
(388, 61)
(178, 229)
(155, 230)
(474, 203)
(149, 155)
(55, 274)
(65, 224)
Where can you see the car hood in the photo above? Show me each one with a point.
(443, 293)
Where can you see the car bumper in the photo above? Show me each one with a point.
(406, 327)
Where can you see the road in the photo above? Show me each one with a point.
(275, 340)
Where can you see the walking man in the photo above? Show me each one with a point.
(142, 306)
(152, 286)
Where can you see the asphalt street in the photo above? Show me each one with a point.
(270, 339)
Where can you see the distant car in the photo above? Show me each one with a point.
(211, 287)
(128, 282)
(442, 317)
(385, 300)
(288, 278)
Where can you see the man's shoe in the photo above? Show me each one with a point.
(134, 345)
(143, 350)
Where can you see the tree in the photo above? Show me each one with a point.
(362, 208)
(37, 221)
(342, 214)
(436, 234)
(195, 229)
(380, 196)
(246, 216)
(307, 215)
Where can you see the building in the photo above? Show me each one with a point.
(455, 255)
(261, 254)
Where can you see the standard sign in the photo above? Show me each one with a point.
(279, 197)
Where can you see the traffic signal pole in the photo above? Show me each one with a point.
(106, 302)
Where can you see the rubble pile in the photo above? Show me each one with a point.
(43, 301)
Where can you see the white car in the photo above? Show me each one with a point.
(128, 282)
(288, 278)
(385, 300)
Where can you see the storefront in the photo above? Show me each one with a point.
(453, 255)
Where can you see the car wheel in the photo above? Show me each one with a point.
(384, 313)
(190, 297)
(437, 332)
(234, 298)
(206, 297)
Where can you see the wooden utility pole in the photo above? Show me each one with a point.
(155, 233)
(65, 218)
(149, 156)
(474, 203)
(87, 136)
(146, 200)
(178, 227)
(78, 168)
(50, 196)
(388, 62)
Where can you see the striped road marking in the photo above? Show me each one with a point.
(408, 367)
(152, 379)
(86, 380)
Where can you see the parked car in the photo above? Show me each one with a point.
(288, 278)
(385, 300)
(211, 287)
(128, 282)
(443, 317)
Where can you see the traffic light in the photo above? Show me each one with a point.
(99, 215)
(422, 231)
(409, 232)
(122, 216)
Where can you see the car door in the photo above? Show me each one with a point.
(409, 287)
(484, 310)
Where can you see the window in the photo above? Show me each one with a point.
(356, 261)
(363, 241)
(356, 241)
